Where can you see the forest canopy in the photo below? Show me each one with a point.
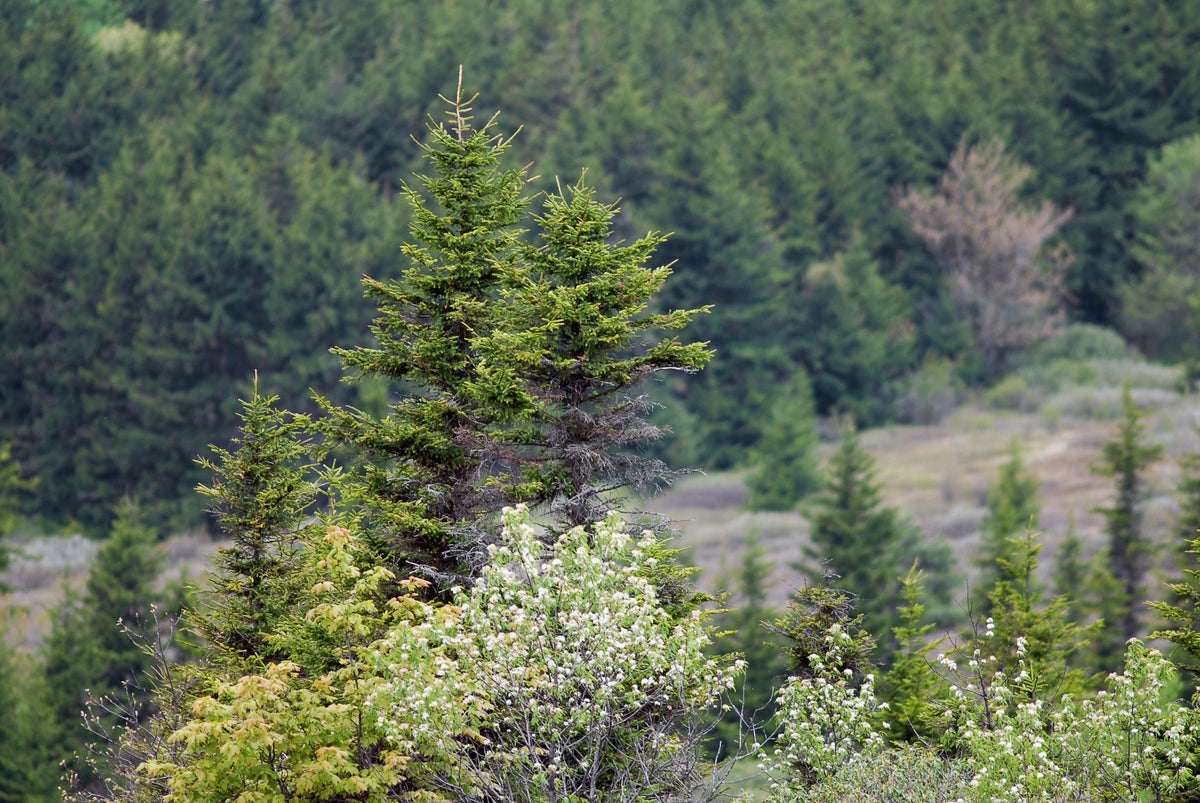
(191, 192)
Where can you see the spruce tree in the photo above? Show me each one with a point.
(94, 649)
(911, 687)
(1182, 611)
(866, 544)
(1129, 552)
(578, 342)
(813, 612)
(429, 473)
(261, 495)
(1035, 638)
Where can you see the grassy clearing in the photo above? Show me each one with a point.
(940, 476)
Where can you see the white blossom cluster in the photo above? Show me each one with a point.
(1122, 744)
(552, 666)
(826, 723)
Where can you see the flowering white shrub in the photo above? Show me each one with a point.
(826, 723)
(558, 676)
(1127, 743)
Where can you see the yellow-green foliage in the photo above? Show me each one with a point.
(291, 732)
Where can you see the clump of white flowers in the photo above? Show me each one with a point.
(1127, 743)
(827, 720)
(558, 675)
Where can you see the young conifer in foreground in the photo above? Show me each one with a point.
(261, 495)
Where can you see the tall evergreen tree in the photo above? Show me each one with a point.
(429, 472)
(1128, 83)
(1129, 551)
(580, 342)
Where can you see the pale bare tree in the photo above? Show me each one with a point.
(992, 246)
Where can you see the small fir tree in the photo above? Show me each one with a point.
(814, 611)
(1012, 509)
(1183, 615)
(1182, 611)
(261, 495)
(94, 647)
(1035, 639)
(911, 687)
(1130, 552)
(867, 544)
(119, 594)
(827, 706)
(786, 464)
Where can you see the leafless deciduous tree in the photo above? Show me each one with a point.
(993, 247)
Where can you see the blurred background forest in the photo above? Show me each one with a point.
(191, 192)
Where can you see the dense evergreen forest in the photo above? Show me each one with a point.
(192, 192)
(212, 213)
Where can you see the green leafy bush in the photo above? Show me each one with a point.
(1078, 342)
(1013, 393)
(930, 394)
